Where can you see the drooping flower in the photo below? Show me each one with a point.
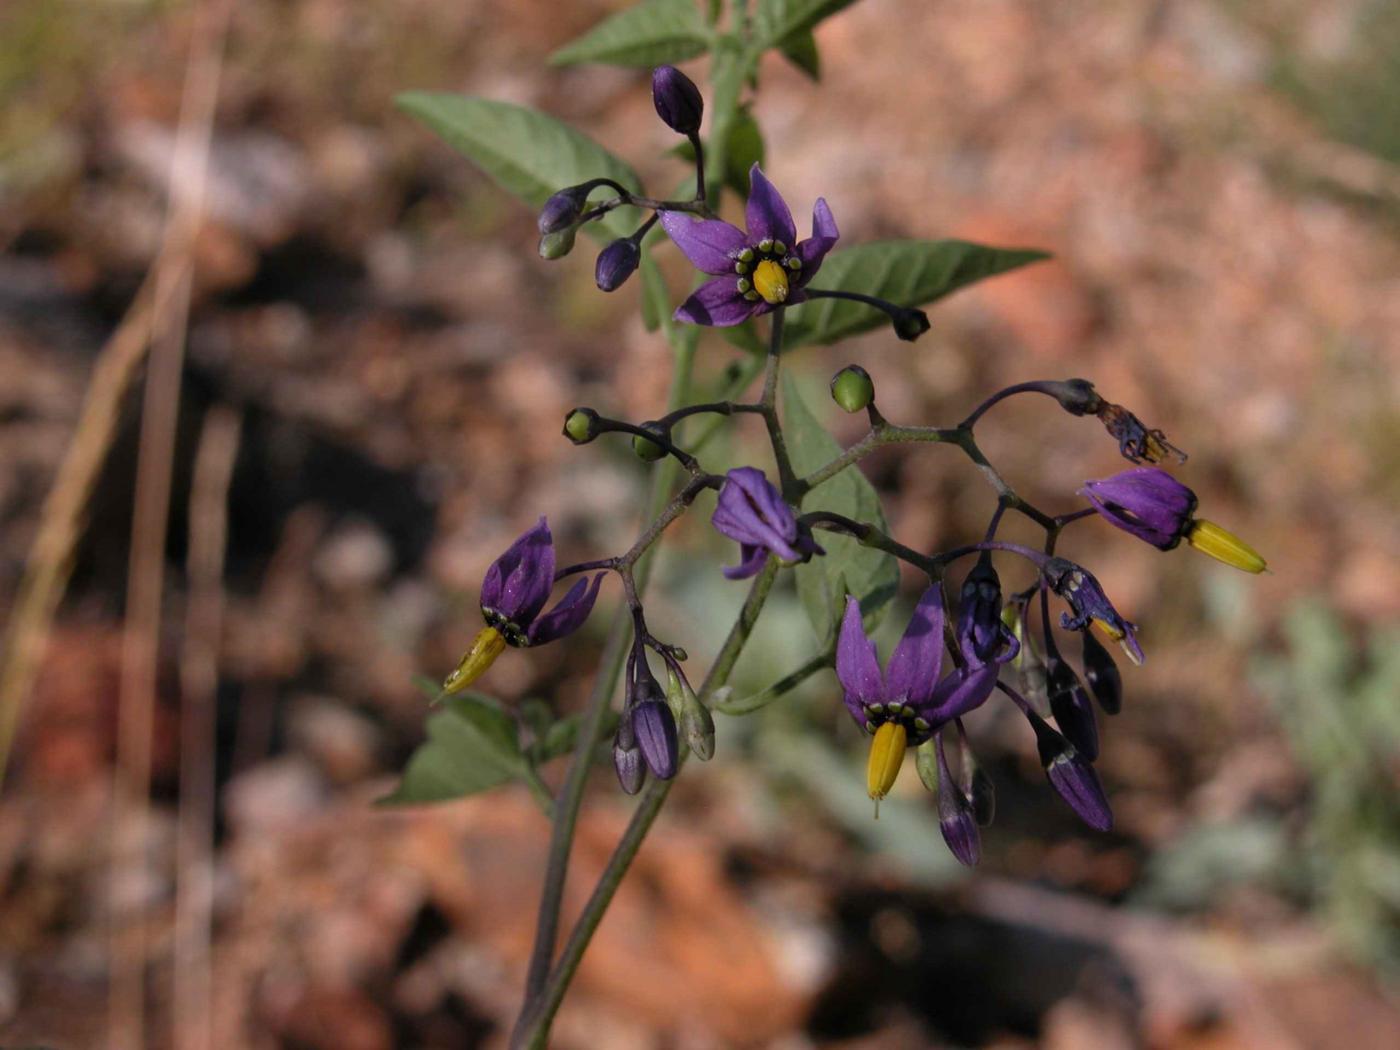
(907, 703)
(957, 816)
(751, 510)
(761, 269)
(513, 594)
(1071, 775)
(1078, 586)
(1147, 502)
(1135, 441)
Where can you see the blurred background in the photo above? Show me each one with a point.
(375, 369)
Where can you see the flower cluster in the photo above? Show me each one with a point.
(953, 655)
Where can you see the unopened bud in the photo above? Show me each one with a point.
(558, 244)
(1072, 777)
(1072, 710)
(617, 262)
(581, 426)
(563, 208)
(852, 388)
(646, 449)
(697, 725)
(627, 757)
(677, 100)
(1102, 674)
(655, 727)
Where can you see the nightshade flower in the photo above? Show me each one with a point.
(752, 511)
(762, 269)
(982, 636)
(513, 594)
(1147, 502)
(908, 703)
(1078, 586)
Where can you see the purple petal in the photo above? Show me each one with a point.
(960, 692)
(567, 616)
(518, 582)
(655, 727)
(813, 250)
(767, 215)
(751, 559)
(913, 670)
(1078, 784)
(717, 303)
(709, 244)
(1146, 502)
(751, 510)
(857, 665)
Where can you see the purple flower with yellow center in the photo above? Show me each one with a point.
(513, 595)
(751, 510)
(1153, 506)
(1086, 597)
(755, 271)
(907, 703)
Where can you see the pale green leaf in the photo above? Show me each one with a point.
(778, 20)
(527, 153)
(651, 33)
(909, 273)
(801, 50)
(472, 746)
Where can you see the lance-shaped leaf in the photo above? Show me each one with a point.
(472, 746)
(651, 33)
(910, 273)
(776, 21)
(869, 574)
(527, 153)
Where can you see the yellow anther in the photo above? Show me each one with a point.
(886, 756)
(1223, 545)
(488, 645)
(771, 281)
(1114, 634)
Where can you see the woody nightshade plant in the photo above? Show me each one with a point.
(759, 286)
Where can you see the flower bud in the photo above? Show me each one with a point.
(581, 426)
(1223, 545)
(563, 208)
(852, 389)
(909, 324)
(696, 723)
(1102, 675)
(677, 100)
(627, 758)
(617, 262)
(647, 450)
(1072, 710)
(1031, 676)
(558, 244)
(655, 727)
(984, 797)
(1073, 778)
(981, 634)
(956, 819)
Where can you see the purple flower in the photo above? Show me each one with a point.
(1072, 777)
(513, 594)
(1147, 502)
(762, 269)
(518, 584)
(751, 511)
(982, 637)
(1077, 586)
(957, 819)
(655, 727)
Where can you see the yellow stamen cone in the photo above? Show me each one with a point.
(886, 756)
(1115, 635)
(1223, 545)
(488, 645)
(771, 281)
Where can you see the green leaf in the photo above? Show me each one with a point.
(745, 149)
(472, 746)
(910, 273)
(822, 583)
(745, 337)
(778, 20)
(656, 297)
(801, 50)
(527, 153)
(652, 33)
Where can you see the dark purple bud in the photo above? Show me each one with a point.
(655, 727)
(1135, 442)
(956, 818)
(1147, 502)
(617, 262)
(1102, 675)
(981, 634)
(1076, 396)
(677, 100)
(563, 208)
(627, 758)
(984, 797)
(751, 510)
(1069, 703)
(1073, 779)
(909, 324)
